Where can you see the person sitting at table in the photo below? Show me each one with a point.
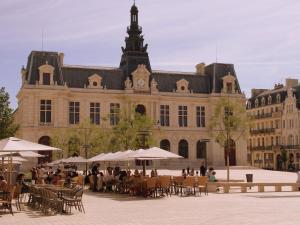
(108, 179)
(56, 179)
(192, 172)
(3, 183)
(21, 181)
(136, 173)
(212, 177)
(183, 173)
(209, 172)
(100, 181)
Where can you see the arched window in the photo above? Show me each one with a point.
(201, 150)
(183, 148)
(165, 144)
(45, 140)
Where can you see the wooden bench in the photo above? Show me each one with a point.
(260, 186)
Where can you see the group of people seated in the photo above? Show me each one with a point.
(42, 175)
(210, 173)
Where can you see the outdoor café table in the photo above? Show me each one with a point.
(58, 190)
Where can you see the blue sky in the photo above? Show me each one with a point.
(261, 37)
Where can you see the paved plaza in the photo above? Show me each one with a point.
(269, 208)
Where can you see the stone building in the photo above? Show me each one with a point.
(276, 126)
(55, 96)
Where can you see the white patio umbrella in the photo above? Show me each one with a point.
(75, 159)
(97, 157)
(154, 153)
(13, 145)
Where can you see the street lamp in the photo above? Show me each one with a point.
(142, 144)
(205, 141)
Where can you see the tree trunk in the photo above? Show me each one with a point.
(227, 165)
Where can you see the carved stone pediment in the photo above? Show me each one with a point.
(140, 78)
(182, 86)
(95, 81)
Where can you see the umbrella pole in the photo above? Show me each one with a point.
(2, 166)
(10, 170)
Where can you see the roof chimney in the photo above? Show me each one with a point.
(200, 69)
(289, 83)
(61, 58)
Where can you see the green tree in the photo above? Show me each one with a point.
(133, 131)
(229, 122)
(7, 126)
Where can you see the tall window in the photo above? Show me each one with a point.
(182, 116)
(114, 113)
(164, 115)
(46, 78)
(45, 111)
(95, 112)
(74, 108)
(200, 116)
(201, 150)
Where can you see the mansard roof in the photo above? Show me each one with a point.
(39, 58)
(76, 76)
(282, 91)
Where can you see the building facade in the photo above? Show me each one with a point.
(274, 140)
(56, 96)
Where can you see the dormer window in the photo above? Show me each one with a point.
(256, 103)
(229, 83)
(95, 81)
(270, 100)
(263, 101)
(182, 86)
(278, 98)
(46, 73)
(46, 78)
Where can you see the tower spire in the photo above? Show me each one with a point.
(134, 51)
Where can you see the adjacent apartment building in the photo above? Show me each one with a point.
(275, 136)
(57, 96)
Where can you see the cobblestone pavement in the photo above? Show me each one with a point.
(226, 209)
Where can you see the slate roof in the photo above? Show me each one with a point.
(77, 77)
(37, 59)
(273, 93)
(113, 77)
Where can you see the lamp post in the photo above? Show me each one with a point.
(205, 141)
(142, 144)
(86, 146)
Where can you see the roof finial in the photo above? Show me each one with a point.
(133, 2)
